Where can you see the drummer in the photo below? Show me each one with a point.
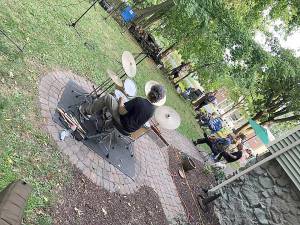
(130, 115)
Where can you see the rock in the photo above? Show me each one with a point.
(268, 202)
(265, 194)
(275, 171)
(291, 219)
(225, 196)
(295, 194)
(261, 216)
(283, 181)
(265, 165)
(239, 206)
(275, 215)
(293, 209)
(259, 171)
(251, 196)
(278, 191)
(247, 221)
(266, 182)
(279, 205)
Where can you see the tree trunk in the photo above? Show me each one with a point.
(142, 14)
(189, 73)
(243, 127)
(257, 116)
(203, 66)
(235, 106)
(152, 19)
(168, 51)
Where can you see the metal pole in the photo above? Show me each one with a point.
(114, 10)
(74, 23)
(273, 156)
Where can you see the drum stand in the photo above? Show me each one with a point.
(74, 23)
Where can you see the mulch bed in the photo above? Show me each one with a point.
(84, 203)
(189, 188)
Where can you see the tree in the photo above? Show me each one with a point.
(275, 97)
(150, 14)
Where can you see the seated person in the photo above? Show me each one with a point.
(216, 144)
(130, 115)
(215, 124)
(231, 156)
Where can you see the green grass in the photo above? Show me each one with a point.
(26, 151)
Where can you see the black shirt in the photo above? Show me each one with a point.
(139, 111)
(237, 154)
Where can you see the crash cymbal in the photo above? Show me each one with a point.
(167, 117)
(148, 87)
(128, 63)
(113, 76)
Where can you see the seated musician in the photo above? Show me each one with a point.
(130, 115)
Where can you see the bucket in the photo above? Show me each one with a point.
(187, 163)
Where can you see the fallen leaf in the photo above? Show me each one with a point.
(78, 211)
(104, 211)
(11, 75)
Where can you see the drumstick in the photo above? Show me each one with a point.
(69, 120)
(76, 121)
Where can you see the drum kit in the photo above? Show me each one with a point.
(165, 116)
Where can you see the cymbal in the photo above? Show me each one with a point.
(113, 76)
(128, 63)
(167, 117)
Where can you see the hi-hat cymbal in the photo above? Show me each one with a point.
(113, 76)
(167, 117)
(128, 63)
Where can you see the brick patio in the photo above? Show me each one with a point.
(151, 160)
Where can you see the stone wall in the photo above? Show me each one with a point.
(263, 196)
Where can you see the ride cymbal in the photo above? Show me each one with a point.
(167, 117)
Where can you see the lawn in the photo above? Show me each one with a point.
(26, 151)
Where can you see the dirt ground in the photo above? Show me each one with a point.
(189, 188)
(84, 203)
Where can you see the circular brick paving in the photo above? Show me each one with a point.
(151, 161)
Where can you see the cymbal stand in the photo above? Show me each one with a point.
(144, 56)
(110, 86)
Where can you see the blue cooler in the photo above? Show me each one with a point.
(127, 14)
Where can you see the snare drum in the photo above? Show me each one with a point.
(130, 88)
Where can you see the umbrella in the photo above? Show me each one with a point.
(260, 131)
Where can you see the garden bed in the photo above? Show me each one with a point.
(84, 203)
(189, 188)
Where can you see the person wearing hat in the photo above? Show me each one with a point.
(130, 115)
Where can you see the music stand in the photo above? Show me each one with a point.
(80, 17)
